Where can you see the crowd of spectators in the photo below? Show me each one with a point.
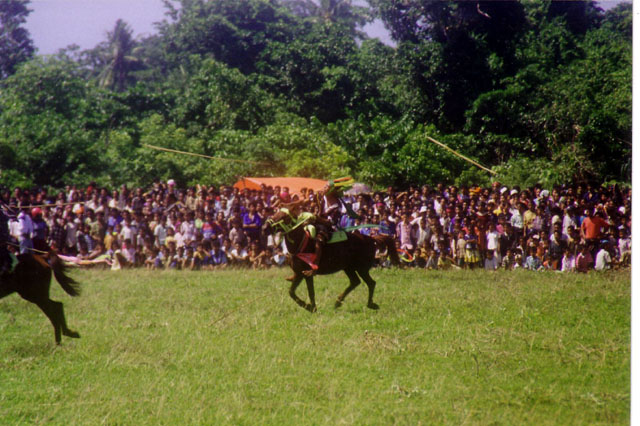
(578, 227)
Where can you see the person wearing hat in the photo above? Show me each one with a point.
(40, 230)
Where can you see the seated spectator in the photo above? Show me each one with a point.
(257, 258)
(238, 256)
(187, 258)
(508, 260)
(217, 255)
(199, 258)
(150, 257)
(584, 260)
(568, 261)
(432, 259)
(491, 261)
(533, 262)
(603, 257)
(280, 259)
(624, 248)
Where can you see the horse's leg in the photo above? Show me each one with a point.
(297, 279)
(66, 331)
(364, 273)
(311, 306)
(48, 307)
(354, 282)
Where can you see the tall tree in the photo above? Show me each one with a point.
(16, 45)
(454, 50)
(342, 12)
(118, 57)
(234, 32)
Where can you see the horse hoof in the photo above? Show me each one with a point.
(72, 334)
(338, 303)
(373, 306)
(311, 308)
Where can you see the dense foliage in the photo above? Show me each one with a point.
(535, 90)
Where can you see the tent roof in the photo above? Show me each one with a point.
(295, 184)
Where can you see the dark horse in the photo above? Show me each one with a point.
(355, 256)
(31, 279)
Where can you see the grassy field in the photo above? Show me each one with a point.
(229, 347)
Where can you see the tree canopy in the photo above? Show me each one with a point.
(297, 87)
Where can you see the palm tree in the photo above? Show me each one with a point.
(118, 58)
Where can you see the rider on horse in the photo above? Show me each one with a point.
(317, 227)
(5, 257)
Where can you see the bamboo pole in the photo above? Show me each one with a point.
(460, 155)
(159, 148)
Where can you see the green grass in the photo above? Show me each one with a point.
(231, 347)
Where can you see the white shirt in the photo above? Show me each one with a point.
(160, 233)
(603, 260)
(568, 264)
(492, 240)
(25, 225)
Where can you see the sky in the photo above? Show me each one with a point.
(56, 24)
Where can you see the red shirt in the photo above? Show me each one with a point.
(591, 227)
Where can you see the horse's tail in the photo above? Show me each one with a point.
(68, 284)
(388, 242)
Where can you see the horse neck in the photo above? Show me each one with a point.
(293, 240)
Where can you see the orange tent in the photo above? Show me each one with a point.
(295, 184)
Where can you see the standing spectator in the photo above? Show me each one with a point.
(591, 228)
(25, 229)
(188, 228)
(160, 232)
(557, 247)
(459, 249)
(127, 232)
(71, 228)
(97, 227)
(237, 235)
(493, 241)
(252, 222)
(405, 234)
(517, 222)
(471, 254)
(569, 221)
(57, 232)
(40, 230)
